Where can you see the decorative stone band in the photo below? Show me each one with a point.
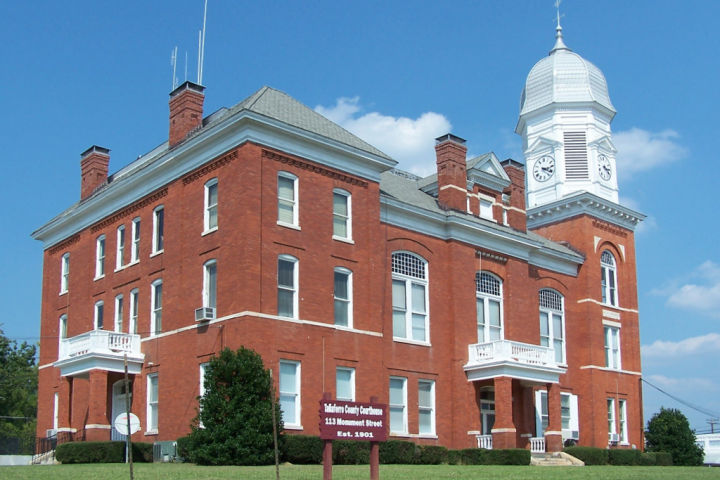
(503, 430)
(454, 187)
(552, 432)
(592, 300)
(97, 426)
(526, 435)
(67, 429)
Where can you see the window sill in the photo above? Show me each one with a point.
(134, 262)
(209, 231)
(289, 225)
(151, 432)
(62, 293)
(293, 427)
(99, 277)
(412, 342)
(120, 268)
(153, 254)
(399, 434)
(343, 239)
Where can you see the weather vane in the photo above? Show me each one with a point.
(557, 11)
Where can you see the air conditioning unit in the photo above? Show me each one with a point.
(50, 433)
(203, 314)
(614, 438)
(575, 435)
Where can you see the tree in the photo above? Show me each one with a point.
(234, 425)
(18, 395)
(669, 431)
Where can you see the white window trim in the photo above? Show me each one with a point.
(118, 314)
(295, 287)
(295, 202)
(56, 411)
(574, 421)
(352, 382)
(349, 300)
(613, 359)
(135, 247)
(156, 213)
(100, 254)
(486, 297)
(611, 417)
(154, 308)
(152, 429)
(622, 404)
(348, 218)
(608, 271)
(206, 284)
(404, 406)
(201, 389)
(207, 207)
(99, 312)
(551, 327)
(133, 310)
(120, 248)
(62, 329)
(487, 199)
(430, 408)
(296, 392)
(409, 280)
(64, 272)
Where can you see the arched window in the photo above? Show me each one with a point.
(609, 278)
(552, 322)
(489, 307)
(410, 297)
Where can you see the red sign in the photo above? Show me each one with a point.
(353, 421)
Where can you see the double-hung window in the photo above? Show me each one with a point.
(211, 205)
(135, 247)
(119, 313)
(99, 314)
(156, 307)
(552, 323)
(62, 328)
(410, 297)
(210, 284)
(612, 347)
(345, 384)
(152, 403)
(100, 256)
(158, 240)
(288, 199)
(622, 407)
(342, 218)
(133, 315)
(64, 273)
(120, 253)
(342, 295)
(290, 393)
(612, 429)
(426, 407)
(569, 419)
(398, 405)
(202, 390)
(489, 307)
(609, 278)
(287, 286)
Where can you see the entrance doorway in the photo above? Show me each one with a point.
(487, 411)
(118, 407)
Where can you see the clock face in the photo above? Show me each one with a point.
(544, 168)
(604, 167)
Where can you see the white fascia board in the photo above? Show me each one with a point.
(536, 374)
(451, 227)
(583, 203)
(202, 148)
(605, 113)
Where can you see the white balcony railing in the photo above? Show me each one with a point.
(507, 350)
(99, 342)
(484, 441)
(537, 445)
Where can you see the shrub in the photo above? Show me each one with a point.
(397, 451)
(101, 452)
(349, 452)
(453, 457)
(508, 456)
(303, 449)
(623, 456)
(472, 456)
(669, 431)
(647, 459)
(664, 459)
(183, 445)
(431, 455)
(589, 455)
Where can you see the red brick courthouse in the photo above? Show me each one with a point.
(491, 304)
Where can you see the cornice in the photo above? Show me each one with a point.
(584, 204)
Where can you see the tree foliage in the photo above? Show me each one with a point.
(234, 423)
(669, 431)
(18, 393)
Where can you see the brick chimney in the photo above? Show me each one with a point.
(93, 169)
(451, 172)
(517, 218)
(186, 111)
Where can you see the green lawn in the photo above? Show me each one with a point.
(343, 472)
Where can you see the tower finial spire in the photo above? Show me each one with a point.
(559, 44)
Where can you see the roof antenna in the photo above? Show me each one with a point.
(201, 47)
(173, 63)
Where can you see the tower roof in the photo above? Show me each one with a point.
(564, 77)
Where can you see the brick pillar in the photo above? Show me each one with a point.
(97, 426)
(503, 432)
(64, 403)
(553, 433)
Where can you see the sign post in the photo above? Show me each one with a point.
(362, 421)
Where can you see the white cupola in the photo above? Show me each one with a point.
(565, 115)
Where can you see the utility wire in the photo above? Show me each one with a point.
(686, 403)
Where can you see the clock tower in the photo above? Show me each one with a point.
(565, 115)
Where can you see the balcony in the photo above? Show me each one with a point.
(99, 349)
(505, 358)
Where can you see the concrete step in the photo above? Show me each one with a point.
(556, 459)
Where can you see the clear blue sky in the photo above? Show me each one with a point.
(398, 73)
